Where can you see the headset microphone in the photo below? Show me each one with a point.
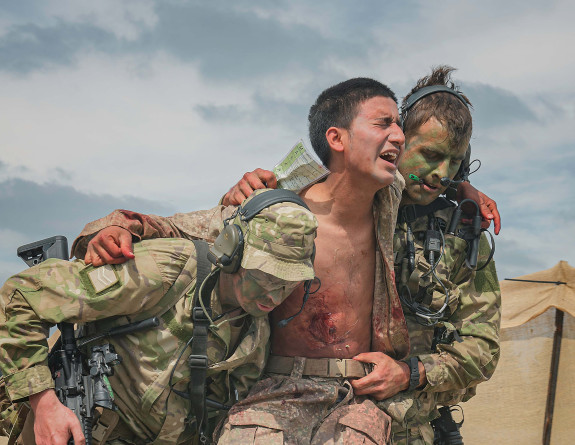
(446, 182)
(415, 178)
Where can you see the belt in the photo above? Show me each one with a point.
(319, 367)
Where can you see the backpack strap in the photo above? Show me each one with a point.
(411, 212)
(198, 359)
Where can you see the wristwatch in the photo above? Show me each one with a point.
(413, 363)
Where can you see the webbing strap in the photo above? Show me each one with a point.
(198, 359)
(266, 199)
(411, 212)
(203, 265)
(104, 426)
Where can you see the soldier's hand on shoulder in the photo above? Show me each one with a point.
(258, 179)
(53, 422)
(112, 245)
(487, 206)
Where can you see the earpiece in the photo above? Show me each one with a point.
(227, 251)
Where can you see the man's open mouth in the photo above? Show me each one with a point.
(389, 157)
(429, 186)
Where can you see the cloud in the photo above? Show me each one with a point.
(242, 45)
(30, 47)
(514, 259)
(31, 208)
(123, 18)
(262, 110)
(173, 100)
(32, 211)
(232, 50)
(494, 106)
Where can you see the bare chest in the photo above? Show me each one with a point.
(336, 320)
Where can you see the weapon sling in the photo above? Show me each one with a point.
(198, 359)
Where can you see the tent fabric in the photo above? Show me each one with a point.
(510, 408)
(523, 301)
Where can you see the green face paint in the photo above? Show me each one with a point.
(258, 293)
(428, 157)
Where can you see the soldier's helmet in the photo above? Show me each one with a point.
(279, 240)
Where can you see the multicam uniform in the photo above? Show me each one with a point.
(290, 407)
(451, 377)
(389, 333)
(469, 351)
(159, 282)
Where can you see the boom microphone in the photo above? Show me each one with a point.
(446, 182)
(415, 178)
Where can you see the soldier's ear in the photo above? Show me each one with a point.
(336, 138)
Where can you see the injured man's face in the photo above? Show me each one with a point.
(258, 292)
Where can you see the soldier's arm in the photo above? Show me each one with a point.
(487, 206)
(472, 358)
(258, 179)
(61, 291)
(123, 227)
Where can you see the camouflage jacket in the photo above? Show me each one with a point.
(159, 282)
(389, 331)
(469, 351)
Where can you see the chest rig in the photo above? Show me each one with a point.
(419, 245)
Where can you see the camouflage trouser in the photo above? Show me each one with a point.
(308, 410)
(416, 435)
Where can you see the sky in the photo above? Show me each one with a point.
(161, 106)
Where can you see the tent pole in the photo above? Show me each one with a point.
(553, 376)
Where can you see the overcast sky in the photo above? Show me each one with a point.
(160, 106)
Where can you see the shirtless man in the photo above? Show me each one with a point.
(354, 128)
(437, 125)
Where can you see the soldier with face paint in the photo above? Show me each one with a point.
(355, 125)
(452, 310)
(160, 281)
(361, 152)
(453, 350)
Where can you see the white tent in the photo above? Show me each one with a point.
(520, 405)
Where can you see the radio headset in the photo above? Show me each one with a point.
(228, 248)
(463, 173)
(227, 251)
(226, 254)
(434, 242)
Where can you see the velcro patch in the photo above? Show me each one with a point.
(103, 278)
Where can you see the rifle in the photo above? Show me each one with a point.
(81, 383)
(445, 429)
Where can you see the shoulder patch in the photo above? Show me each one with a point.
(103, 277)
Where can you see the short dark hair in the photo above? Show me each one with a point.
(337, 106)
(453, 114)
